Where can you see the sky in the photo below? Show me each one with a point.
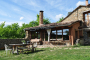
(25, 11)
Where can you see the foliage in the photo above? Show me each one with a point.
(78, 45)
(45, 20)
(23, 41)
(67, 32)
(16, 31)
(60, 19)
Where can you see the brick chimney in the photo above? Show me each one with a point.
(41, 18)
(86, 2)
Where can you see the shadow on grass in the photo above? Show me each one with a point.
(80, 45)
(29, 52)
(34, 52)
(75, 46)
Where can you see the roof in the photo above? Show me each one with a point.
(52, 25)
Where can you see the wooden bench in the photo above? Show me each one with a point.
(24, 49)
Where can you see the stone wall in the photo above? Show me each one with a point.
(10, 41)
(77, 14)
(86, 38)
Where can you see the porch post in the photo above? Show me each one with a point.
(48, 31)
(72, 40)
(72, 37)
(62, 34)
(26, 34)
(30, 35)
(37, 34)
(41, 38)
(44, 37)
(87, 19)
(69, 34)
(56, 34)
(34, 34)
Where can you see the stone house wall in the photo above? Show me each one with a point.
(77, 14)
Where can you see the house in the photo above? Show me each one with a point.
(74, 26)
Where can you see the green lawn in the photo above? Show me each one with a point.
(57, 53)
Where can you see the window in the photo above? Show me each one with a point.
(85, 17)
(32, 34)
(35, 35)
(53, 34)
(60, 35)
(88, 33)
(65, 34)
(38, 35)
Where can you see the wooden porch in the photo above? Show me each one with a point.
(55, 33)
(58, 36)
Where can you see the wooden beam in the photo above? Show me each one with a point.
(44, 37)
(56, 34)
(62, 34)
(72, 40)
(40, 37)
(69, 34)
(30, 35)
(37, 34)
(34, 34)
(87, 19)
(61, 28)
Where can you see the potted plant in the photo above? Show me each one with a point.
(23, 41)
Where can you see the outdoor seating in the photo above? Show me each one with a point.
(23, 49)
(7, 48)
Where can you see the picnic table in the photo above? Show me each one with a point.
(16, 47)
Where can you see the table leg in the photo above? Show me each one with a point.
(13, 50)
(17, 50)
(32, 48)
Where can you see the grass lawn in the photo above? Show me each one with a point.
(56, 53)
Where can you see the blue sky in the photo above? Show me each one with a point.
(24, 11)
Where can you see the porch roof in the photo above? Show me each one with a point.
(52, 25)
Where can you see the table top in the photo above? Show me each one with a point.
(20, 44)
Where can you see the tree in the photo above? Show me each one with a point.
(45, 20)
(2, 30)
(60, 19)
(16, 31)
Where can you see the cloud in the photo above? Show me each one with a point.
(21, 18)
(59, 16)
(20, 23)
(70, 9)
(80, 3)
(9, 23)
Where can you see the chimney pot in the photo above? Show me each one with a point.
(86, 2)
(41, 11)
(41, 18)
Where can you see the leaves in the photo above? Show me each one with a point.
(60, 20)
(16, 31)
